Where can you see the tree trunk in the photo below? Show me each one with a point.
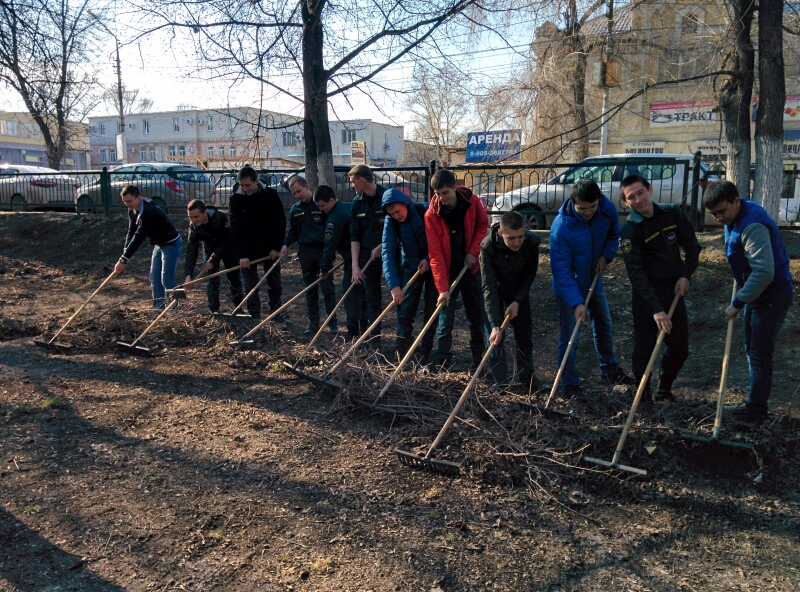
(736, 95)
(319, 152)
(772, 97)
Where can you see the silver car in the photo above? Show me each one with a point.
(26, 187)
(170, 186)
(664, 171)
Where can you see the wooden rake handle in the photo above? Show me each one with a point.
(201, 278)
(434, 316)
(314, 339)
(278, 310)
(75, 314)
(467, 389)
(151, 325)
(261, 281)
(369, 329)
(725, 365)
(643, 384)
(570, 344)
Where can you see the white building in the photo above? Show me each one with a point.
(229, 138)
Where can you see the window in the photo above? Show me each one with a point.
(289, 139)
(210, 126)
(348, 136)
(145, 126)
(181, 150)
(119, 127)
(597, 173)
(210, 151)
(233, 150)
(222, 150)
(232, 123)
(172, 151)
(153, 153)
(112, 156)
(103, 157)
(102, 130)
(265, 154)
(142, 154)
(176, 124)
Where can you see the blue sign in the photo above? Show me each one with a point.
(494, 146)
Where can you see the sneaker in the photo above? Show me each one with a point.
(663, 397)
(333, 328)
(744, 415)
(620, 377)
(537, 385)
(311, 331)
(572, 392)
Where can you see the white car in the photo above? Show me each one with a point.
(27, 187)
(666, 173)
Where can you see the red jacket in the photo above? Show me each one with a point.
(476, 224)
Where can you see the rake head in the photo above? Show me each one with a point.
(136, 350)
(617, 466)
(440, 467)
(715, 442)
(313, 377)
(243, 344)
(227, 315)
(373, 407)
(177, 293)
(550, 411)
(59, 348)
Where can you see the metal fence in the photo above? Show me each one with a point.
(537, 191)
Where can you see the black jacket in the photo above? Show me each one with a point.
(215, 236)
(651, 248)
(258, 222)
(366, 223)
(506, 274)
(151, 223)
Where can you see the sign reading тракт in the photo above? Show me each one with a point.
(494, 146)
(683, 113)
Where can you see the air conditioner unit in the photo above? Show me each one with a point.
(190, 121)
(200, 121)
(386, 147)
(132, 150)
(191, 148)
(92, 129)
(132, 125)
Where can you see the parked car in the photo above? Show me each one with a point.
(225, 182)
(344, 191)
(27, 187)
(664, 171)
(171, 186)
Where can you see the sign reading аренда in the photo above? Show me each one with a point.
(494, 146)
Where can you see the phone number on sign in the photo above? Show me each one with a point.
(489, 152)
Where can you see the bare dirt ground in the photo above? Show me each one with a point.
(209, 468)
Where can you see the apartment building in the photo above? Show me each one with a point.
(21, 143)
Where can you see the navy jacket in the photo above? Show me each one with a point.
(576, 245)
(337, 236)
(412, 241)
(306, 225)
(366, 219)
(150, 222)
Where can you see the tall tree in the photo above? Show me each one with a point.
(44, 56)
(338, 48)
(131, 101)
(771, 101)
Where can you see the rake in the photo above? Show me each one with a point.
(410, 353)
(614, 464)
(246, 342)
(64, 348)
(140, 350)
(180, 291)
(546, 407)
(714, 438)
(446, 467)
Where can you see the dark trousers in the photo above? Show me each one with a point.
(470, 291)
(354, 306)
(645, 335)
(309, 256)
(212, 285)
(274, 289)
(762, 321)
(423, 286)
(372, 289)
(523, 334)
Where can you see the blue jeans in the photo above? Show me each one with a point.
(762, 321)
(163, 267)
(600, 318)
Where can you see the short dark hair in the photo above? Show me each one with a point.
(297, 179)
(630, 180)
(132, 190)
(443, 178)
(719, 192)
(512, 221)
(362, 171)
(585, 190)
(247, 172)
(324, 193)
(196, 204)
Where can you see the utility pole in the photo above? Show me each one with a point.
(120, 138)
(604, 79)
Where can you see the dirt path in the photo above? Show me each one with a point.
(203, 469)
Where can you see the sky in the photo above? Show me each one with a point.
(168, 74)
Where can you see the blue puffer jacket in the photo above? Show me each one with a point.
(413, 242)
(576, 245)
